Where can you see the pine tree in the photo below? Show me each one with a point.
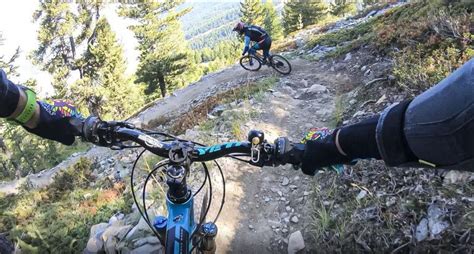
(343, 7)
(271, 21)
(84, 43)
(104, 88)
(59, 39)
(166, 61)
(298, 14)
(252, 12)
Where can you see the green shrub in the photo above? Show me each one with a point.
(417, 69)
(359, 32)
(446, 43)
(77, 176)
(57, 219)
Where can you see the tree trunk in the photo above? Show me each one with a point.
(162, 83)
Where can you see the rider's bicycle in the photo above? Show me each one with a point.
(253, 61)
(179, 232)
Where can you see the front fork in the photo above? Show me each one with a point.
(208, 233)
(176, 230)
(206, 240)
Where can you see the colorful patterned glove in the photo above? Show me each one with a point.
(54, 121)
(317, 138)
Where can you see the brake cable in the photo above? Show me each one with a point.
(135, 198)
(162, 163)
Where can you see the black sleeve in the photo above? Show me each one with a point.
(358, 140)
(9, 95)
(436, 129)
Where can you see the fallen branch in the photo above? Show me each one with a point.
(367, 102)
(375, 80)
(399, 248)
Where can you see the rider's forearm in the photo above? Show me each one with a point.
(357, 141)
(13, 101)
(247, 44)
(344, 145)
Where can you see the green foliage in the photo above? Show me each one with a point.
(21, 152)
(359, 32)
(433, 40)
(252, 12)
(74, 38)
(418, 69)
(221, 55)
(343, 7)
(41, 222)
(58, 41)
(271, 21)
(367, 3)
(438, 41)
(80, 175)
(298, 14)
(253, 89)
(104, 88)
(166, 61)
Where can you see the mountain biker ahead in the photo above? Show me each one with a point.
(262, 39)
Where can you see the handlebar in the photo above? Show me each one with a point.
(112, 134)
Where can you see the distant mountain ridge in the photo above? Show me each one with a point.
(210, 22)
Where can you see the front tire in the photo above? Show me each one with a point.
(280, 64)
(250, 63)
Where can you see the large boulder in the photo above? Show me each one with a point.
(139, 231)
(112, 235)
(95, 244)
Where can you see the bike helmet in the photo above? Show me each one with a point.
(239, 27)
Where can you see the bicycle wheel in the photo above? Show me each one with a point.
(280, 64)
(250, 63)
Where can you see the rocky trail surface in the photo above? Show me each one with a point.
(265, 205)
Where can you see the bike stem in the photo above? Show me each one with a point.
(176, 173)
(176, 179)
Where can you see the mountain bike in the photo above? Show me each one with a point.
(253, 61)
(179, 232)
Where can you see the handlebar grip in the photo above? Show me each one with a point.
(89, 129)
(288, 152)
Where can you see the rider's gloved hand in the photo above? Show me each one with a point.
(54, 121)
(321, 152)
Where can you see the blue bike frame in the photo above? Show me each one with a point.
(180, 226)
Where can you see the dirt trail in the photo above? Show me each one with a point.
(264, 206)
